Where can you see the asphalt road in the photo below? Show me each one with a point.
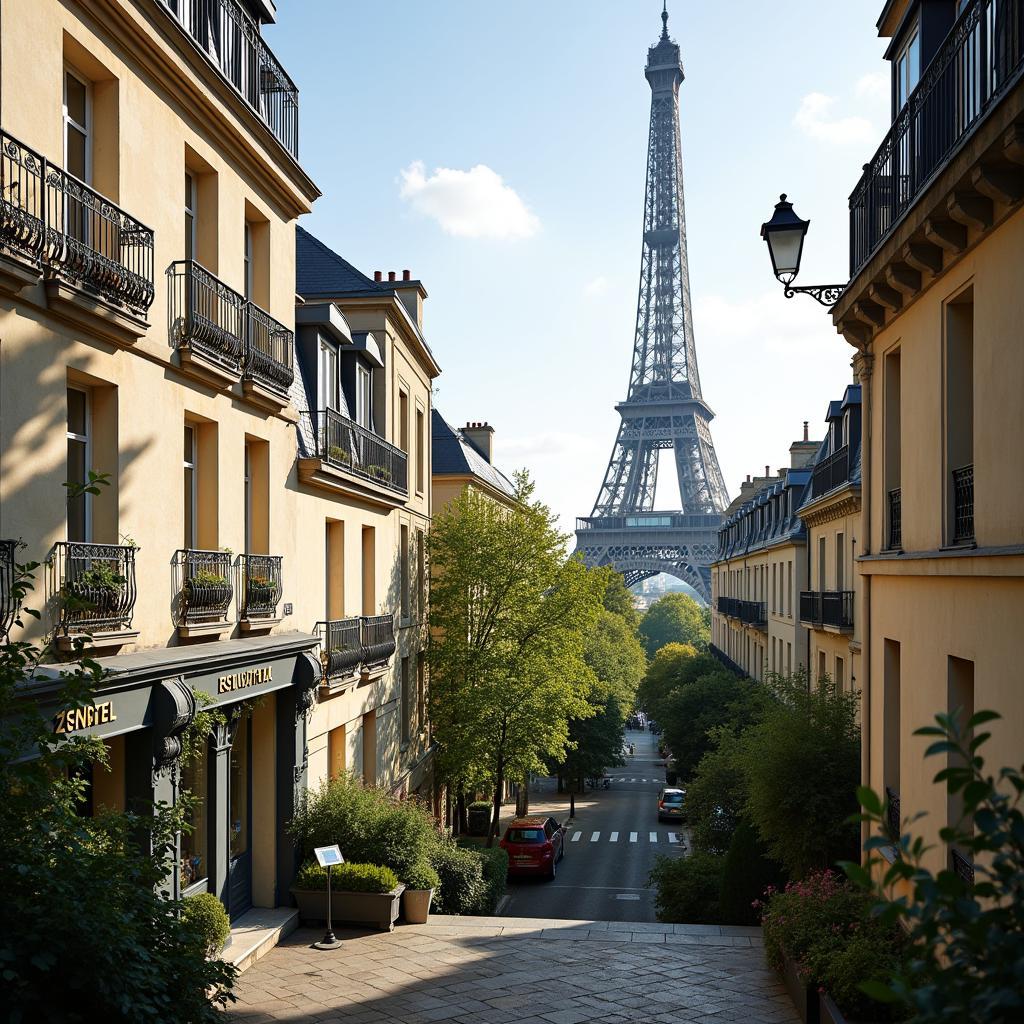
(610, 846)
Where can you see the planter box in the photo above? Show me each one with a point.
(416, 905)
(804, 999)
(378, 909)
(831, 1014)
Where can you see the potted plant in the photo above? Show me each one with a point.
(206, 590)
(262, 591)
(361, 894)
(100, 585)
(335, 453)
(420, 882)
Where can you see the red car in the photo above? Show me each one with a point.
(534, 846)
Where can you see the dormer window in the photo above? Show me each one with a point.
(907, 68)
(364, 397)
(328, 376)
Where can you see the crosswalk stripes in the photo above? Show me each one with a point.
(632, 837)
(654, 837)
(673, 838)
(595, 836)
(614, 837)
(576, 836)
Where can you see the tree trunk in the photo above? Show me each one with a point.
(561, 783)
(523, 799)
(460, 813)
(499, 786)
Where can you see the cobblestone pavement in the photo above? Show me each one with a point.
(528, 971)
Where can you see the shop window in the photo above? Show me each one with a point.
(239, 789)
(195, 837)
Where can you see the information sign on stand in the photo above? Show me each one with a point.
(328, 857)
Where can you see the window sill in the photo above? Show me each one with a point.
(189, 630)
(96, 641)
(258, 625)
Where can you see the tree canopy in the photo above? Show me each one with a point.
(510, 616)
(675, 618)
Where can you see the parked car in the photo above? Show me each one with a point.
(534, 846)
(671, 804)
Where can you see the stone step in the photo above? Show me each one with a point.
(256, 933)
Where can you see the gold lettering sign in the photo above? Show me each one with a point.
(73, 719)
(243, 680)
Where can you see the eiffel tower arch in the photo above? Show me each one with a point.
(664, 407)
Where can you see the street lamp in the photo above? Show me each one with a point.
(785, 234)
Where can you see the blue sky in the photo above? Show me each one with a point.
(498, 151)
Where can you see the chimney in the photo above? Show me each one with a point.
(806, 423)
(406, 275)
(391, 275)
(748, 478)
(378, 276)
(481, 437)
(767, 471)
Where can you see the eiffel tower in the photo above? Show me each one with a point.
(664, 408)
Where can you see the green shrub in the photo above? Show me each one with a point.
(494, 861)
(422, 876)
(717, 794)
(479, 817)
(462, 878)
(869, 952)
(746, 872)
(687, 888)
(370, 826)
(346, 878)
(206, 917)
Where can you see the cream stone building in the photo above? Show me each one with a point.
(256, 546)
(756, 580)
(933, 312)
(830, 595)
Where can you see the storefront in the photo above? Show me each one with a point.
(244, 769)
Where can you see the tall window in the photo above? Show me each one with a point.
(407, 695)
(907, 68)
(959, 373)
(421, 576)
(247, 260)
(403, 421)
(79, 453)
(404, 560)
(247, 511)
(891, 728)
(328, 382)
(77, 144)
(421, 455)
(892, 444)
(189, 464)
(190, 216)
(821, 563)
(840, 679)
(421, 690)
(364, 413)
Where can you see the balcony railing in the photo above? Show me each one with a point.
(341, 648)
(962, 866)
(892, 813)
(377, 637)
(977, 63)
(653, 520)
(205, 315)
(202, 581)
(810, 607)
(728, 606)
(58, 222)
(895, 519)
(837, 608)
(94, 585)
(831, 472)
(8, 604)
(269, 357)
(345, 444)
(754, 613)
(259, 585)
(228, 36)
(963, 504)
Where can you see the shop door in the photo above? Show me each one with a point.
(240, 821)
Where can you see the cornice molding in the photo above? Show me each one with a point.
(832, 506)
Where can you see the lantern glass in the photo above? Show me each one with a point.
(785, 246)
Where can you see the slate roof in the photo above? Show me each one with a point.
(749, 529)
(851, 400)
(320, 271)
(454, 455)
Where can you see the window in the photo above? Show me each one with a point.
(822, 666)
(840, 674)
(77, 111)
(775, 586)
(840, 563)
(892, 527)
(907, 68)
(406, 703)
(421, 577)
(328, 378)
(789, 589)
(369, 581)
(959, 381)
(421, 456)
(79, 454)
(404, 568)
(195, 866)
(403, 421)
(891, 714)
(256, 471)
(789, 659)
(959, 702)
(336, 752)
(364, 412)
(191, 488)
(821, 563)
(190, 216)
(247, 511)
(247, 261)
(334, 569)
(421, 691)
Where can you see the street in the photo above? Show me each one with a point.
(610, 846)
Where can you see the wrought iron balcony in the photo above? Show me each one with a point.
(728, 606)
(837, 609)
(341, 646)
(810, 607)
(895, 519)
(205, 315)
(753, 613)
(831, 472)
(269, 357)
(70, 230)
(8, 604)
(202, 581)
(228, 36)
(377, 638)
(344, 444)
(963, 504)
(259, 585)
(94, 585)
(980, 59)
(892, 813)
(963, 867)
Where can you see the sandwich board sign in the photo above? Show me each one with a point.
(328, 856)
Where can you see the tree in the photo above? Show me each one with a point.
(675, 618)
(619, 599)
(595, 742)
(716, 794)
(510, 615)
(86, 932)
(802, 763)
(672, 665)
(616, 657)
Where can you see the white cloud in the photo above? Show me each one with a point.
(597, 286)
(875, 87)
(815, 119)
(767, 322)
(468, 204)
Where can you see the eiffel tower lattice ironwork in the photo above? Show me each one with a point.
(665, 408)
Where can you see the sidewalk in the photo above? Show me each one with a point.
(486, 970)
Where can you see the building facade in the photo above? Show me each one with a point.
(933, 312)
(758, 574)
(830, 594)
